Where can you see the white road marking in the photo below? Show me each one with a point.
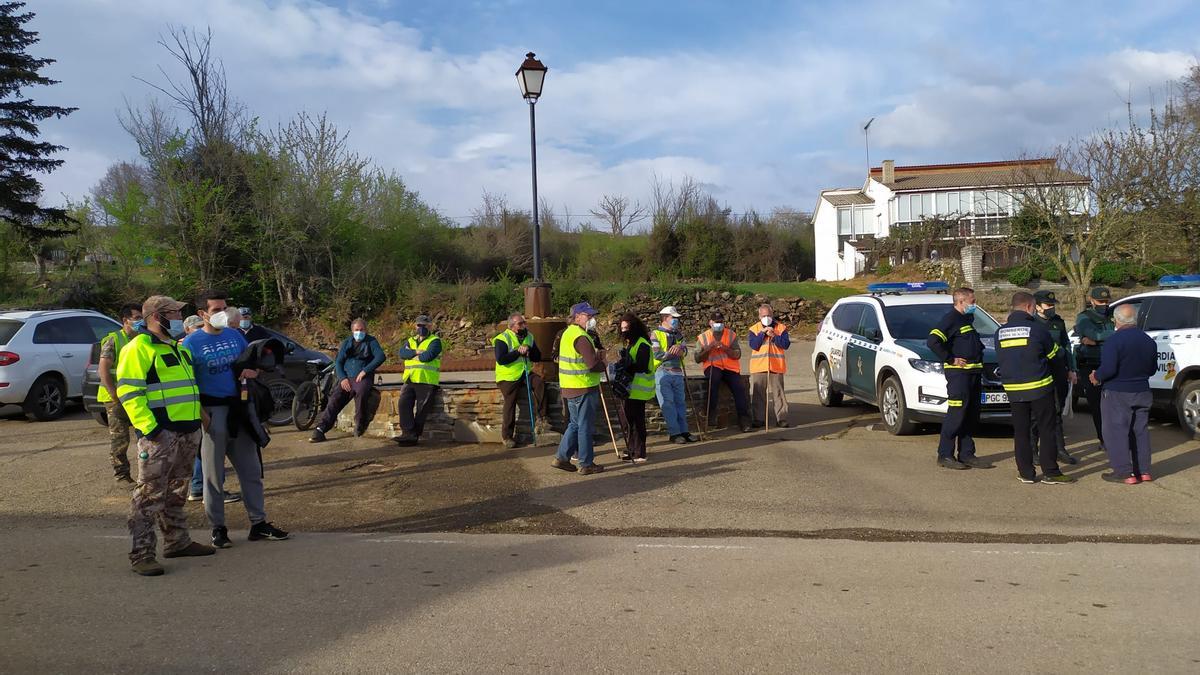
(411, 541)
(692, 546)
(1018, 552)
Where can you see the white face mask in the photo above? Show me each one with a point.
(766, 321)
(718, 327)
(218, 320)
(591, 324)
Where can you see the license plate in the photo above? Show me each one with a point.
(993, 397)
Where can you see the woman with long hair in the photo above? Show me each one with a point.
(635, 358)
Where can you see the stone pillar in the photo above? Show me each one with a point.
(972, 265)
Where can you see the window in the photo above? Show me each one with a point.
(844, 220)
(927, 204)
(68, 331)
(862, 220)
(942, 203)
(847, 316)
(9, 328)
(101, 327)
(903, 207)
(869, 324)
(1171, 312)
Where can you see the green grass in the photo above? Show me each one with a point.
(809, 290)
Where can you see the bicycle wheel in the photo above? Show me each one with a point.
(304, 406)
(284, 393)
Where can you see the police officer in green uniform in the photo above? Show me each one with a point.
(1093, 326)
(1048, 317)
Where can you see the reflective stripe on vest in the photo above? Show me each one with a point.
(420, 372)
(642, 387)
(120, 339)
(573, 372)
(513, 371)
(663, 339)
(768, 357)
(725, 361)
(156, 384)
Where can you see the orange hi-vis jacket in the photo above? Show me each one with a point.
(720, 359)
(768, 357)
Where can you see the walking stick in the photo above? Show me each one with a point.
(529, 396)
(767, 409)
(690, 400)
(608, 421)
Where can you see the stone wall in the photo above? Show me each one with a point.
(471, 412)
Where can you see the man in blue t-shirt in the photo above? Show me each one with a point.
(214, 349)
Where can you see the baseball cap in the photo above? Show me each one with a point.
(424, 320)
(192, 321)
(245, 311)
(717, 315)
(1100, 293)
(1045, 298)
(669, 309)
(160, 303)
(583, 308)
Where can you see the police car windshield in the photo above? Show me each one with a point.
(913, 322)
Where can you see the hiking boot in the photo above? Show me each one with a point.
(974, 462)
(565, 466)
(265, 530)
(678, 439)
(220, 537)
(1113, 477)
(195, 496)
(148, 567)
(1060, 479)
(690, 438)
(126, 480)
(318, 436)
(510, 443)
(1027, 481)
(231, 497)
(194, 548)
(405, 440)
(951, 463)
(1066, 458)
(590, 469)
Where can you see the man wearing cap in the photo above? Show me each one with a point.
(250, 330)
(1054, 323)
(515, 351)
(669, 348)
(1093, 326)
(718, 351)
(769, 342)
(354, 366)
(422, 354)
(118, 421)
(580, 363)
(156, 385)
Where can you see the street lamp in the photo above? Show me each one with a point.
(530, 76)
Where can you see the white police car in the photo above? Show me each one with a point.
(1171, 315)
(872, 347)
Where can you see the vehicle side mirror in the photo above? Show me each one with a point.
(874, 334)
(291, 347)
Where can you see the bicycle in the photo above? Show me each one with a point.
(312, 394)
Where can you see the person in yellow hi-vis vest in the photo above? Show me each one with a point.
(515, 351)
(118, 421)
(422, 354)
(580, 364)
(769, 342)
(157, 388)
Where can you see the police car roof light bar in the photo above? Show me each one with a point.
(897, 288)
(1179, 281)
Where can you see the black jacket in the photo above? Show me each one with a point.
(1028, 357)
(954, 337)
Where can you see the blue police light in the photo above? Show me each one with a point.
(1179, 281)
(908, 287)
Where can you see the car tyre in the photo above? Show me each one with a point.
(47, 399)
(825, 393)
(1187, 404)
(894, 410)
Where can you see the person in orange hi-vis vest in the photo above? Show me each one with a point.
(717, 350)
(769, 342)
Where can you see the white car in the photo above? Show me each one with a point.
(1171, 315)
(43, 355)
(872, 347)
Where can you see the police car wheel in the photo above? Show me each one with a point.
(825, 393)
(1188, 404)
(894, 409)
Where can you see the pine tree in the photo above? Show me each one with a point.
(21, 153)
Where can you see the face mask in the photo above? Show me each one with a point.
(359, 335)
(522, 333)
(718, 327)
(139, 325)
(970, 309)
(176, 328)
(218, 320)
(674, 323)
(423, 330)
(591, 324)
(626, 334)
(766, 320)
(1048, 312)
(245, 324)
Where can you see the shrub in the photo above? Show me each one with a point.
(883, 268)
(1020, 276)
(1110, 273)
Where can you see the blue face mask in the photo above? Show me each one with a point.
(244, 324)
(139, 326)
(674, 323)
(970, 309)
(176, 328)
(359, 335)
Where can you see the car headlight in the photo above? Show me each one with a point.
(926, 366)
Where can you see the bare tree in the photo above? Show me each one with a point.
(671, 203)
(618, 213)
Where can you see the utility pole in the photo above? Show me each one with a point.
(867, 141)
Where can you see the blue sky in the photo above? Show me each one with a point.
(763, 102)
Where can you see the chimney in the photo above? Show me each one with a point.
(889, 171)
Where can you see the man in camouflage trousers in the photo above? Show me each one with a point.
(118, 421)
(157, 388)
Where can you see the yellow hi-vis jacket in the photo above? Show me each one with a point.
(119, 340)
(156, 385)
(418, 371)
(513, 371)
(573, 373)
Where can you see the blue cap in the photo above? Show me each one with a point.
(583, 308)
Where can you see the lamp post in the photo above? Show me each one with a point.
(530, 76)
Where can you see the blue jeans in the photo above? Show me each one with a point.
(197, 486)
(577, 439)
(668, 387)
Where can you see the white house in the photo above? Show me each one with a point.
(977, 197)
